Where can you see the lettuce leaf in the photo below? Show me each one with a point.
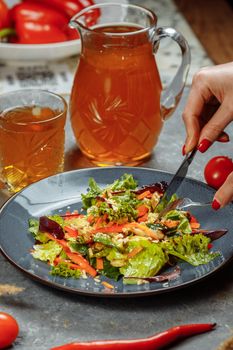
(89, 198)
(34, 230)
(190, 248)
(147, 263)
(63, 270)
(125, 182)
(47, 251)
(116, 258)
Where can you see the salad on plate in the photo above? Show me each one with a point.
(120, 232)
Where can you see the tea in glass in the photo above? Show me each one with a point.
(31, 137)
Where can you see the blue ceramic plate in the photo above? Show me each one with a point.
(58, 193)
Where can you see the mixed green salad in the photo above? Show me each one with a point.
(121, 232)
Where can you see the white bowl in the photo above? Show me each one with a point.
(42, 52)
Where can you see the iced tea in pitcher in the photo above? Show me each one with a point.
(115, 103)
(117, 108)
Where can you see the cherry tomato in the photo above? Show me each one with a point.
(217, 170)
(9, 330)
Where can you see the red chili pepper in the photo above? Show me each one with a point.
(157, 341)
(4, 15)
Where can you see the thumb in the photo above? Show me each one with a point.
(224, 195)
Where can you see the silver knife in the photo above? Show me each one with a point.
(179, 176)
(176, 181)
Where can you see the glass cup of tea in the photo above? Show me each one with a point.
(117, 103)
(32, 135)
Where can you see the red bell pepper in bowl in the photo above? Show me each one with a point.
(71, 8)
(5, 30)
(67, 7)
(4, 15)
(38, 24)
(42, 21)
(36, 33)
(34, 12)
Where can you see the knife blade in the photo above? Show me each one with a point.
(176, 181)
(180, 175)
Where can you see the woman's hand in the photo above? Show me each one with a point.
(208, 111)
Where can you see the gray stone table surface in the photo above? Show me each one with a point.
(48, 317)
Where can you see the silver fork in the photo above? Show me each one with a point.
(183, 203)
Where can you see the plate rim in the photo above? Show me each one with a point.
(110, 294)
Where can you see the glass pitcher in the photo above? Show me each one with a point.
(117, 103)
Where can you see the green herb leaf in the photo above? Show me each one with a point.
(63, 270)
(89, 199)
(80, 248)
(110, 271)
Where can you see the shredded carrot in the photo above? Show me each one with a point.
(145, 194)
(171, 223)
(144, 228)
(195, 225)
(143, 218)
(142, 210)
(98, 222)
(134, 252)
(82, 262)
(90, 218)
(70, 232)
(99, 263)
(107, 285)
(109, 229)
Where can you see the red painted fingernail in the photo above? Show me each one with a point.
(223, 137)
(183, 150)
(204, 145)
(215, 204)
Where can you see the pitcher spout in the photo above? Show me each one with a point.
(86, 18)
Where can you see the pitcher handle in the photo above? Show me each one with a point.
(172, 94)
